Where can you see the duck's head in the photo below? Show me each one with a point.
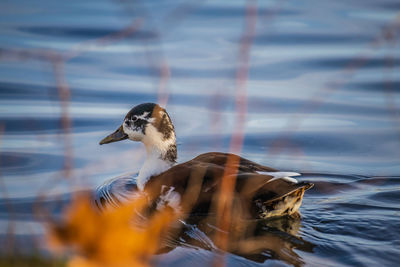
(147, 123)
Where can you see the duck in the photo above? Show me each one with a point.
(259, 192)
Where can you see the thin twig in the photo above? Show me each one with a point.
(225, 198)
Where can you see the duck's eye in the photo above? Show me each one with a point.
(134, 118)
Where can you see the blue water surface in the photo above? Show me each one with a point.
(322, 99)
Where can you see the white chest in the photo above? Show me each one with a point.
(152, 166)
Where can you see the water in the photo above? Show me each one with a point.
(322, 98)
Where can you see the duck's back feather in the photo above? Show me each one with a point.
(260, 191)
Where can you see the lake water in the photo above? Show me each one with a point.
(322, 99)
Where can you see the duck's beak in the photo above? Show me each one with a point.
(118, 135)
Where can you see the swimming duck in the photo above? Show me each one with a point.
(260, 191)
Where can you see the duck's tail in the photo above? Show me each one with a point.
(287, 204)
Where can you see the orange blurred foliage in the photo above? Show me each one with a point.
(109, 238)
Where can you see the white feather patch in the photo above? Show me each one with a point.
(287, 176)
(169, 197)
(143, 116)
(152, 166)
(155, 147)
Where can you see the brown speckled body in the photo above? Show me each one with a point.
(255, 195)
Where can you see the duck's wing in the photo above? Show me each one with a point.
(278, 196)
(287, 203)
(242, 164)
(251, 173)
(116, 191)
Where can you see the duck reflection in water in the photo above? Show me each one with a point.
(255, 240)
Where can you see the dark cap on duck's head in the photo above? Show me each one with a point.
(147, 123)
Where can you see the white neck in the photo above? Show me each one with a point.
(156, 149)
